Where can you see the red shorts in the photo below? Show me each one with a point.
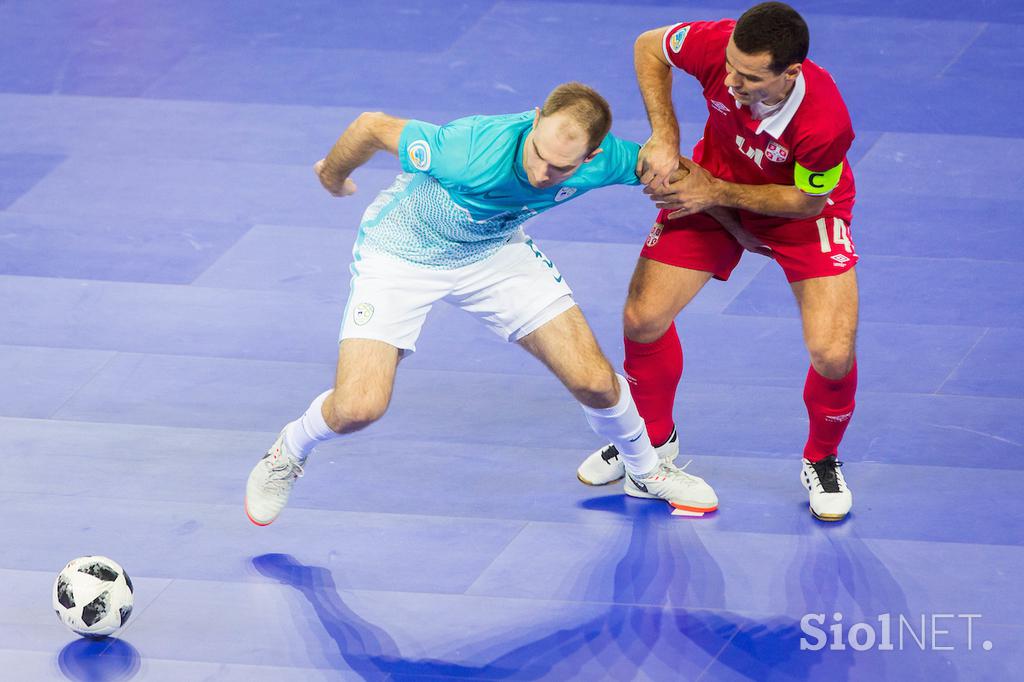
(811, 247)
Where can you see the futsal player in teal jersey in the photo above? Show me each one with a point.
(450, 229)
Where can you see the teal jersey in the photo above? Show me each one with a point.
(464, 192)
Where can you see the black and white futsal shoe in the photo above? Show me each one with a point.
(830, 499)
(605, 465)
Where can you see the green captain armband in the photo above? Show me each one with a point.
(816, 183)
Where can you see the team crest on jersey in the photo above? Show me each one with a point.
(362, 313)
(565, 193)
(676, 41)
(419, 155)
(776, 152)
(655, 234)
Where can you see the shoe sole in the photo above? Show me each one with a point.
(590, 483)
(831, 518)
(640, 495)
(249, 516)
(699, 510)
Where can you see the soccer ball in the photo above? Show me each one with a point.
(93, 596)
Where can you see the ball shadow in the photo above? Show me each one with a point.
(98, 660)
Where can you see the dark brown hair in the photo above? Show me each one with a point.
(775, 28)
(585, 106)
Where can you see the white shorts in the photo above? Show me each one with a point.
(514, 291)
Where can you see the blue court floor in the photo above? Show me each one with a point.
(172, 278)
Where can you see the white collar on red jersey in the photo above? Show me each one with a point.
(776, 123)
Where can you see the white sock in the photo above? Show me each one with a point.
(309, 430)
(623, 426)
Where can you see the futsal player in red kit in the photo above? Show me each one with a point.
(770, 175)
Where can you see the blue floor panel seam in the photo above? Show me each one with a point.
(956, 368)
(959, 55)
(83, 385)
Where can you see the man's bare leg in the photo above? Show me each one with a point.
(363, 384)
(567, 346)
(654, 353)
(828, 310)
(657, 294)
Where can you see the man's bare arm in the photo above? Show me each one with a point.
(693, 189)
(370, 133)
(785, 201)
(658, 158)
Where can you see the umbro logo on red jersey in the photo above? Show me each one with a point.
(719, 107)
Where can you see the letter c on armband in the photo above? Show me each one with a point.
(816, 182)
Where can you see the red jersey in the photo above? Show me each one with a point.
(809, 134)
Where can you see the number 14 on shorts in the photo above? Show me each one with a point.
(840, 235)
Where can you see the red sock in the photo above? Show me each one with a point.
(830, 405)
(653, 371)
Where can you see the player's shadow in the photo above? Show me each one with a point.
(834, 570)
(643, 619)
(98, 660)
(757, 648)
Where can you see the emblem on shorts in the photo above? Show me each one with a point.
(776, 152)
(362, 313)
(676, 41)
(419, 155)
(655, 234)
(840, 260)
(565, 193)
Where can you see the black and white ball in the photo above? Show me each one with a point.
(93, 596)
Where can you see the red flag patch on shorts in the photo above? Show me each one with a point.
(655, 234)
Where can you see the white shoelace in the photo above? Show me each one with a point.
(670, 470)
(282, 474)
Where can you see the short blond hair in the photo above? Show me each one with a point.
(585, 106)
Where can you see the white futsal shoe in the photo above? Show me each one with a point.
(675, 486)
(270, 483)
(830, 499)
(605, 465)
